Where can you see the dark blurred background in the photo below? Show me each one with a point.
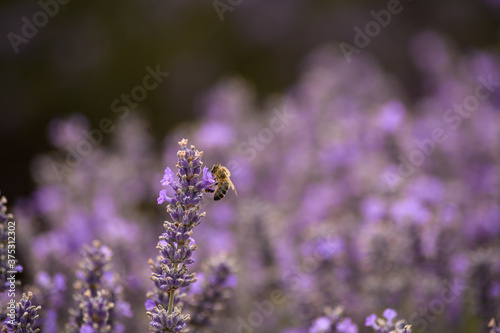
(91, 52)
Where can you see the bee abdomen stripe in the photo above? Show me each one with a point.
(221, 190)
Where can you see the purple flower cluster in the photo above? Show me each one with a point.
(387, 324)
(166, 321)
(51, 293)
(176, 245)
(366, 208)
(100, 196)
(350, 194)
(26, 317)
(97, 294)
(23, 316)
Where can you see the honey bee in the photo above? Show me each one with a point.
(221, 175)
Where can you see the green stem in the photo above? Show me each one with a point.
(171, 301)
(171, 296)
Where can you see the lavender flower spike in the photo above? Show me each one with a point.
(209, 298)
(98, 295)
(176, 245)
(26, 316)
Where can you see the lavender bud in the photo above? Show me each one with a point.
(161, 321)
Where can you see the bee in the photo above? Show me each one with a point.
(221, 175)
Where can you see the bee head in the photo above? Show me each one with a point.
(215, 168)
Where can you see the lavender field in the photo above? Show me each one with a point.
(360, 206)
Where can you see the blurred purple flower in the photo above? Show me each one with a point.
(391, 116)
(211, 293)
(389, 314)
(319, 218)
(215, 134)
(321, 325)
(346, 326)
(386, 325)
(333, 322)
(97, 293)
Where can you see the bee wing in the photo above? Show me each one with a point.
(232, 186)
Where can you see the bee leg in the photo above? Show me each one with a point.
(212, 190)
